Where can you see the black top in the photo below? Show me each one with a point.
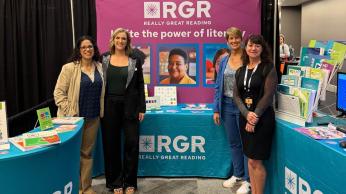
(116, 80)
(89, 95)
(262, 88)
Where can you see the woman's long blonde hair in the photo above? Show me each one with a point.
(128, 48)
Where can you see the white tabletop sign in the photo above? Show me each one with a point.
(3, 127)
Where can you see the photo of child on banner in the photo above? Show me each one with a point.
(212, 55)
(178, 64)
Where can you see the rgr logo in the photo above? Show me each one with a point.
(291, 184)
(67, 189)
(185, 9)
(180, 144)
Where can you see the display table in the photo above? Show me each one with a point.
(300, 164)
(175, 142)
(297, 162)
(47, 170)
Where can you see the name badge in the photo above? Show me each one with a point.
(248, 102)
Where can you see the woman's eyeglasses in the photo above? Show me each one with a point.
(90, 47)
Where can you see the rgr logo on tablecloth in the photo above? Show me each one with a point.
(165, 143)
(291, 183)
(185, 9)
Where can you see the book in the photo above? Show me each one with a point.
(66, 120)
(328, 66)
(44, 118)
(319, 44)
(337, 51)
(313, 84)
(311, 60)
(322, 75)
(18, 142)
(298, 70)
(64, 128)
(42, 138)
(291, 80)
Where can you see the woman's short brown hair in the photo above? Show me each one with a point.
(233, 31)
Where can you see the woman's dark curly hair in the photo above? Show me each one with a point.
(76, 56)
(266, 57)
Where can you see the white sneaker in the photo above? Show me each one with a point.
(231, 182)
(244, 188)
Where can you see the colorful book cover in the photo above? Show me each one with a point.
(304, 98)
(64, 128)
(327, 65)
(42, 138)
(311, 51)
(320, 44)
(284, 89)
(66, 120)
(336, 51)
(321, 132)
(311, 60)
(291, 80)
(44, 118)
(298, 70)
(18, 142)
(310, 83)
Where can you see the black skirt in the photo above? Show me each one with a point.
(257, 145)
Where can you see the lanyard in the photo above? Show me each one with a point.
(245, 78)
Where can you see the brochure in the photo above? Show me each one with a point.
(291, 80)
(41, 138)
(18, 142)
(167, 94)
(66, 120)
(44, 118)
(64, 128)
(321, 132)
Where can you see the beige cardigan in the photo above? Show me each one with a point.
(66, 92)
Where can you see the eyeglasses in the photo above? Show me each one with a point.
(90, 47)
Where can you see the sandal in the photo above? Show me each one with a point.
(118, 191)
(130, 190)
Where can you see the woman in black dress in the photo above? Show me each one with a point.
(253, 93)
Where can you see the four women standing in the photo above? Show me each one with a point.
(80, 91)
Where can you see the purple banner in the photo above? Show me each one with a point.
(195, 27)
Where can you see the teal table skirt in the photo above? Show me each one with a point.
(302, 165)
(47, 170)
(178, 143)
(298, 163)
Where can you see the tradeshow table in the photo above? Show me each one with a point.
(47, 170)
(176, 142)
(300, 164)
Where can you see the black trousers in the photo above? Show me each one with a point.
(121, 162)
